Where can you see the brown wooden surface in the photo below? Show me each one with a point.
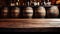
(29, 23)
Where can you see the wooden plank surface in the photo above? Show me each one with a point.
(29, 23)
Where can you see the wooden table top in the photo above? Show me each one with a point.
(29, 23)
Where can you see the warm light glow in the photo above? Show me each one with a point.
(17, 3)
(18, 0)
(58, 2)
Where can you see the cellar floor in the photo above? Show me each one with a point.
(29, 23)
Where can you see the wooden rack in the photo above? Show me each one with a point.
(29, 23)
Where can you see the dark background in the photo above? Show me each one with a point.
(54, 29)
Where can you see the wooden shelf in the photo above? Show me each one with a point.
(29, 23)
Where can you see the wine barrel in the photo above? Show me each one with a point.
(15, 12)
(4, 12)
(53, 12)
(40, 12)
(28, 12)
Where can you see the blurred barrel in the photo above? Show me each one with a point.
(53, 12)
(4, 12)
(15, 12)
(28, 12)
(40, 12)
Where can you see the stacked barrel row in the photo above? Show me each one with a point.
(29, 12)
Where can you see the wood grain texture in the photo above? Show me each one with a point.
(29, 23)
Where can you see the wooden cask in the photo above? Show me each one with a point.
(15, 12)
(4, 12)
(40, 12)
(53, 12)
(28, 12)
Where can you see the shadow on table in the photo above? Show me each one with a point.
(30, 29)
